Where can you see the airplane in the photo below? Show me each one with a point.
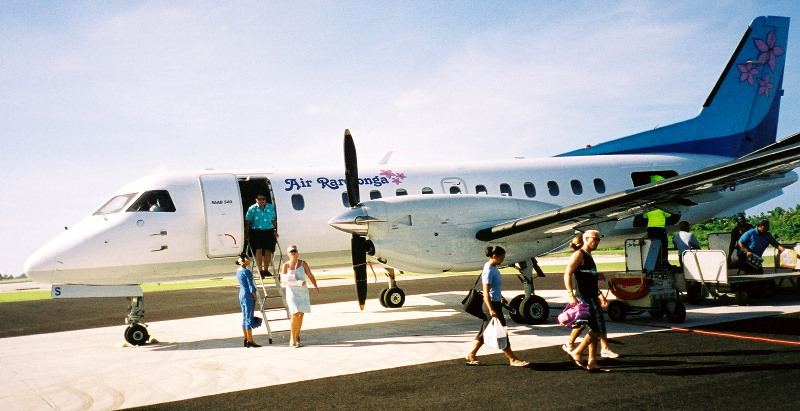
(439, 218)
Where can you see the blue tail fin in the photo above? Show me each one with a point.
(741, 113)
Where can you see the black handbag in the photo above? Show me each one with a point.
(473, 302)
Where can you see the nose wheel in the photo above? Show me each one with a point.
(136, 334)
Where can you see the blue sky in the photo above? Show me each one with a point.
(95, 94)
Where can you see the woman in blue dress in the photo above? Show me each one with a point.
(247, 299)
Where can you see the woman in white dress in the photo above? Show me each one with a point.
(295, 275)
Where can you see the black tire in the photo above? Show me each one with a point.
(742, 297)
(678, 315)
(657, 313)
(617, 310)
(515, 305)
(694, 293)
(381, 298)
(534, 310)
(136, 334)
(394, 298)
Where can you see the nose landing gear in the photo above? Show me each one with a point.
(136, 333)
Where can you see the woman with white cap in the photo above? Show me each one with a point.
(294, 276)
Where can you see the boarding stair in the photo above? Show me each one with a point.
(264, 288)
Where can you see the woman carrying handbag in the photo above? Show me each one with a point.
(492, 288)
(583, 268)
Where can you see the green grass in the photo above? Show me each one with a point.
(34, 295)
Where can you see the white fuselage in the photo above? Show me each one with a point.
(204, 233)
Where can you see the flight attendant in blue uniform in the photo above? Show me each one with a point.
(247, 299)
(262, 233)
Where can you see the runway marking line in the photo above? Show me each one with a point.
(720, 334)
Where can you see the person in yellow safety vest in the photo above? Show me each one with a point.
(656, 226)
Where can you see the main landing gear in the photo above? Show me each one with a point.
(529, 308)
(393, 296)
(136, 333)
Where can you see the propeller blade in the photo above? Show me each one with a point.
(351, 170)
(358, 247)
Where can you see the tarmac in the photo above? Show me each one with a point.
(394, 358)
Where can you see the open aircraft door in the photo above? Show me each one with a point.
(223, 210)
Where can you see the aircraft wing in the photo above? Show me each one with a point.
(669, 194)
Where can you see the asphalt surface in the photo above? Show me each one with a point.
(658, 371)
(48, 316)
(748, 364)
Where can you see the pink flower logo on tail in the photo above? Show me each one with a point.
(764, 86)
(747, 72)
(768, 51)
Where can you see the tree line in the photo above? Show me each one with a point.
(783, 224)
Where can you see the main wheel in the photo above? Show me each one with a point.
(677, 315)
(534, 310)
(382, 299)
(136, 334)
(515, 305)
(617, 310)
(394, 298)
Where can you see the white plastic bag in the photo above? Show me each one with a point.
(495, 335)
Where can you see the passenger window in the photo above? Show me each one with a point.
(577, 188)
(157, 201)
(505, 190)
(552, 186)
(599, 186)
(298, 202)
(427, 190)
(455, 190)
(480, 189)
(401, 192)
(530, 190)
(115, 204)
(374, 195)
(345, 200)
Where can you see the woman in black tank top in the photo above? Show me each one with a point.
(583, 268)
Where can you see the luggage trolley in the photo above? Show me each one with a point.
(708, 273)
(644, 286)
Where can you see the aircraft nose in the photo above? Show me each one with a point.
(40, 265)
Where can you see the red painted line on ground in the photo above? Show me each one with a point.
(720, 334)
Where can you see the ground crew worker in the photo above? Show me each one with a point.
(656, 227)
(755, 241)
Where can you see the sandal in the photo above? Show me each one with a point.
(473, 361)
(519, 363)
(593, 368)
(577, 361)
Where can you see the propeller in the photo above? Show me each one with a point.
(358, 244)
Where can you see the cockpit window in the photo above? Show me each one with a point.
(154, 201)
(115, 204)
